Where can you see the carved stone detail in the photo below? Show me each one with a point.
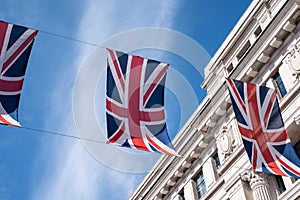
(297, 120)
(293, 59)
(225, 143)
(258, 184)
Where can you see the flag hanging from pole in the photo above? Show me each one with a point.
(16, 43)
(135, 103)
(260, 123)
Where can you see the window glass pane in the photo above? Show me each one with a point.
(182, 195)
(279, 84)
(217, 160)
(282, 89)
(200, 184)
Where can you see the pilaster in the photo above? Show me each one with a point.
(209, 172)
(287, 182)
(190, 192)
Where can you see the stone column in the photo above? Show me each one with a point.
(258, 184)
(190, 192)
(209, 172)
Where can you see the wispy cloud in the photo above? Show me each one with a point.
(80, 177)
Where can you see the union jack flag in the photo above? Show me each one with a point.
(260, 123)
(135, 103)
(16, 43)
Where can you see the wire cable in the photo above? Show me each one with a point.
(72, 39)
(81, 41)
(63, 135)
(99, 46)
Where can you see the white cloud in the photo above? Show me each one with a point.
(81, 177)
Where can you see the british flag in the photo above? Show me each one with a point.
(260, 123)
(135, 103)
(16, 43)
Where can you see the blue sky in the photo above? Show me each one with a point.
(35, 165)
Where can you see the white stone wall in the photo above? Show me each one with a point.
(190, 192)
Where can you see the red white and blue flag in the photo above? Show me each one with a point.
(135, 103)
(16, 43)
(260, 123)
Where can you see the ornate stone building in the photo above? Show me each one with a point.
(263, 48)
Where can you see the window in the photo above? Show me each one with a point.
(217, 159)
(230, 68)
(182, 195)
(279, 84)
(280, 184)
(200, 184)
(243, 50)
(258, 31)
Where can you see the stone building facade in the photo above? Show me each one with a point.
(263, 48)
